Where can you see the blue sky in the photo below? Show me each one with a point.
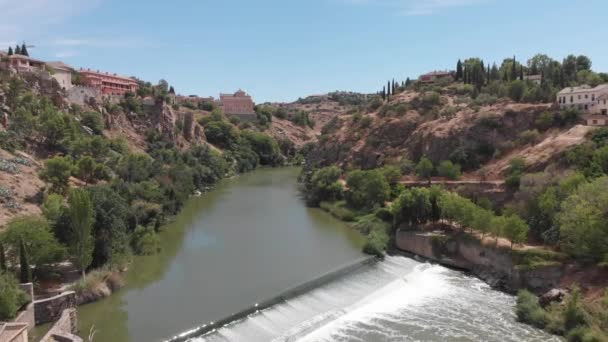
(279, 50)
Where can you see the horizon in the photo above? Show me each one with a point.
(279, 52)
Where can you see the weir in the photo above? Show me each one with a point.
(282, 297)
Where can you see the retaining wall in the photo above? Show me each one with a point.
(50, 309)
(64, 329)
(286, 295)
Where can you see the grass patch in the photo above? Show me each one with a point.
(339, 210)
(530, 259)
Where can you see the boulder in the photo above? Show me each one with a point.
(553, 295)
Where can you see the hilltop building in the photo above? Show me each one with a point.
(594, 101)
(239, 104)
(62, 73)
(537, 79)
(21, 63)
(110, 84)
(435, 76)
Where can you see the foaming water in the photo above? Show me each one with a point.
(399, 299)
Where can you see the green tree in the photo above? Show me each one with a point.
(81, 223)
(34, 231)
(3, 265)
(324, 185)
(17, 50)
(583, 223)
(94, 121)
(10, 51)
(57, 171)
(413, 207)
(25, 272)
(424, 169)
(367, 189)
(86, 169)
(459, 70)
(517, 89)
(24, 50)
(515, 229)
(12, 298)
(449, 170)
(52, 207)
(482, 221)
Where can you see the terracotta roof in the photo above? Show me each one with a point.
(102, 73)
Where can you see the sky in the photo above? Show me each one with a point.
(280, 50)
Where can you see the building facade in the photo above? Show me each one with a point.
(536, 79)
(584, 98)
(62, 73)
(237, 104)
(110, 84)
(434, 76)
(21, 63)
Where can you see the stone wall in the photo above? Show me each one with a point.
(64, 329)
(82, 94)
(493, 265)
(50, 309)
(27, 315)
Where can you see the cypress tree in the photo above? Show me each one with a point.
(488, 75)
(171, 90)
(24, 50)
(459, 70)
(408, 82)
(3, 266)
(388, 88)
(393, 90)
(513, 70)
(17, 50)
(10, 50)
(521, 72)
(384, 93)
(25, 275)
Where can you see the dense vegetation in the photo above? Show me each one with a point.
(103, 202)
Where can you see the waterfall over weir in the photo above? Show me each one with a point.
(399, 299)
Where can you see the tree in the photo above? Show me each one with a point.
(52, 207)
(413, 206)
(41, 245)
(459, 70)
(449, 170)
(111, 213)
(482, 221)
(3, 265)
(57, 171)
(17, 50)
(514, 69)
(12, 298)
(515, 229)
(94, 121)
(81, 222)
(25, 273)
(521, 72)
(424, 169)
(171, 90)
(24, 50)
(367, 189)
(583, 227)
(10, 51)
(516, 90)
(323, 185)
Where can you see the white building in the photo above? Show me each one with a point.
(536, 79)
(62, 73)
(584, 98)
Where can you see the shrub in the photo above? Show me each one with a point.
(40, 243)
(366, 121)
(529, 311)
(377, 242)
(485, 100)
(367, 189)
(407, 166)
(449, 170)
(94, 121)
(339, 210)
(12, 298)
(424, 168)
(544, 120)
(145, 241)
(57, 171)
(530, 136)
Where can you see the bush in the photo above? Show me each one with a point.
(529, 311)
(367, 189)
(530, 136)
(485, 100)
(94, 121)
(449, 170)
(12, 298)
(57, 171)
(339, 210)
(377, 242)
(145, 241)
(40, 243)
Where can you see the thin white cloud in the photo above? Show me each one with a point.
(418, 7)
(66, 54)
(25, 18)
(100, 43)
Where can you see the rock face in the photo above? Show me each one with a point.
(493, 265)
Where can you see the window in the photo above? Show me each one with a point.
(571, 98)
(586, 96)
(579, 97)
(594, 122)
(586, 107)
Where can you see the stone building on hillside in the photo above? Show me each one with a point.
(62, 73)
(435, 76)
(110, 84)
(22, 63)
(536, 79)
(239, 104)
(591, 100)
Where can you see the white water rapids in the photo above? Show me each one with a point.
(399, 299)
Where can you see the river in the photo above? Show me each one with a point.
(251, 238)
